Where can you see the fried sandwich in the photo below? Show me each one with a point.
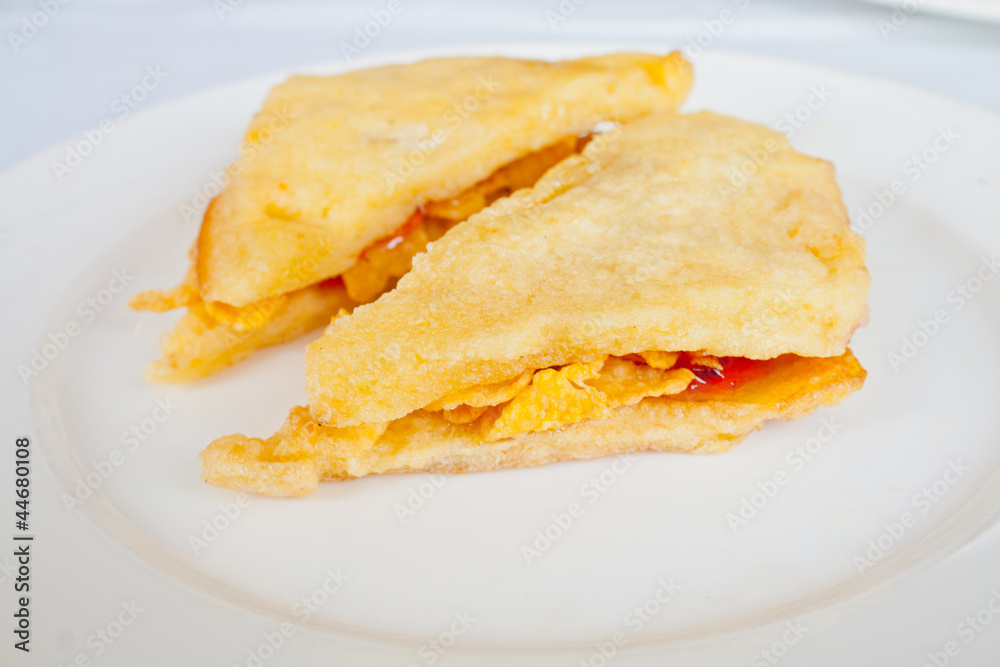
(639, 297)
(341, 180)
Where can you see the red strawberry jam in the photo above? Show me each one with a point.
(735, 371)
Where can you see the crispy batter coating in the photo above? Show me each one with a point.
(646, 241)
(214, 334)
(303, 453)
(521, 173)
(385, 261)
(331, 164)
(160, 301)
(332, 167)
(200, 345)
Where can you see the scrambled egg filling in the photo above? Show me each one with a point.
(539, 400)
(385, 261)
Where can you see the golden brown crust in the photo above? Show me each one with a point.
(303, 453)
(215, 335)
(200, 345)
(331, 164)
(318, 139)
(635, 245)
(160, 301)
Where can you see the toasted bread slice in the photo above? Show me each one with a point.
(213, 335)
(332, 164)
(639, 297)
(645, 241)
(333, 168)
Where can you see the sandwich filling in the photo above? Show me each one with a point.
(551, 398)
(714, 409)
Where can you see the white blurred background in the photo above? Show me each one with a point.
(67, 74)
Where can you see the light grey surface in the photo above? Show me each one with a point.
(66, 77)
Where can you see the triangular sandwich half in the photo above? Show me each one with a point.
(681, 281)
(342, 179)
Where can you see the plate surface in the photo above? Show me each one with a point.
(669, 548)
(977, 10)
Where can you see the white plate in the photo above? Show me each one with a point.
(663, 518)
(977, 10)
